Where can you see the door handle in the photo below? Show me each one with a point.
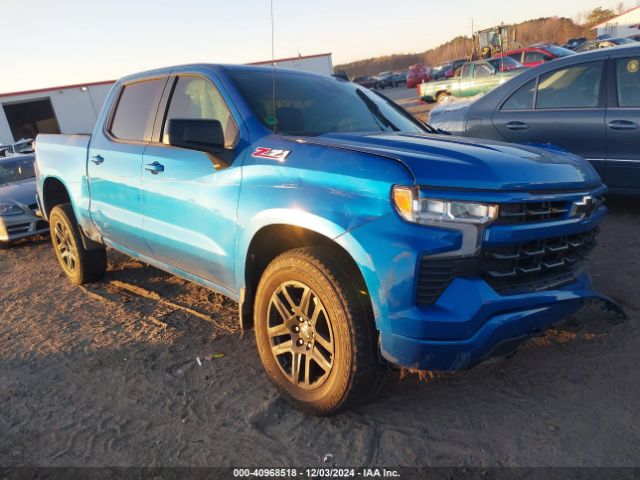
(97, 159)
(517, 126)
(622, 125)
(154, 168)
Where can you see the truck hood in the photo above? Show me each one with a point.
(22, 192)
(457, 162)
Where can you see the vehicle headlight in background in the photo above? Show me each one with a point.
(7, 209)
(430, 211)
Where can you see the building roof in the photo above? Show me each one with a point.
(612, 19)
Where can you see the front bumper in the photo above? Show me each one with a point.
(15, 227)
(503, 323)
(470, 320)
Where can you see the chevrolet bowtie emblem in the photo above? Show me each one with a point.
(583, 208)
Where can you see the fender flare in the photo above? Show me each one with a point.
(321, 226)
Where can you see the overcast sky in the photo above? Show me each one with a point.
(57, 42)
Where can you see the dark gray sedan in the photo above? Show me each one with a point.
(18, 207)
(588, 104)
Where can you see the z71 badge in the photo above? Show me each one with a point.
(270, 153)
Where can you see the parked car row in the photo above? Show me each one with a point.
(531, 56)
(383, 80)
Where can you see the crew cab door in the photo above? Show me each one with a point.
(623, 124)
(564, 107)
(115, 163)
(483, 79)
(190, 197)
(462, 83)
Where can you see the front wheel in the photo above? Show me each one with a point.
(79, 264)
(315, 332)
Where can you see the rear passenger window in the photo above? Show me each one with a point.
(628, 81)
(196, 98)
(136, 110)
(571, 87)
(522, 99)
(482, 70)
(533, 57)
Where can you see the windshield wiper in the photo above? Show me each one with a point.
(375, 110)
(403, 111)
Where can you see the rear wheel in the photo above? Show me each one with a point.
(315, 332)
(443, 97)
(81, 265)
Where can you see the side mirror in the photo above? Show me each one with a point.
(204, 135)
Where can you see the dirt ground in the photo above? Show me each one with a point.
(108, 375)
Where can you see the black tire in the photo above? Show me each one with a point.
(4, 245)
(343, 319)
(80, 265)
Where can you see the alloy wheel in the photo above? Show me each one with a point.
(300, 335)
(64, 246)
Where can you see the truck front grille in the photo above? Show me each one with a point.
(536, 266)
(525, 268)
(535, 212)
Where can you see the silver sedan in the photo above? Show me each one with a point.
(19, 215)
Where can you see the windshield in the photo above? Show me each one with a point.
(560, 51)
(15, 169)
(624, 41)
(310, 105)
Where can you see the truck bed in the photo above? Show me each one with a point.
(64, 158)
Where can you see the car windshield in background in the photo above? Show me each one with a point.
(310, 105)
(16, 169)
(560, 51)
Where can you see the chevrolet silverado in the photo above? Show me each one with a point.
(352, 236)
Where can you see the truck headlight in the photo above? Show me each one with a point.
(430, 211)
(7, 209)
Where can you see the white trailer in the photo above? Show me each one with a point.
(68, 109)
(320, 63)
(626, 24)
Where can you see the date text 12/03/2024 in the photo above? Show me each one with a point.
(316, 473)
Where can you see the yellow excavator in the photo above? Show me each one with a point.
(488, 42)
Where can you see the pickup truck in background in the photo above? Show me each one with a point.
(353, 236)
(469, 80)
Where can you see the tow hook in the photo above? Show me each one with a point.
(607, 304)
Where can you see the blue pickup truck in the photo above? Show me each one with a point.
(353, 236)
